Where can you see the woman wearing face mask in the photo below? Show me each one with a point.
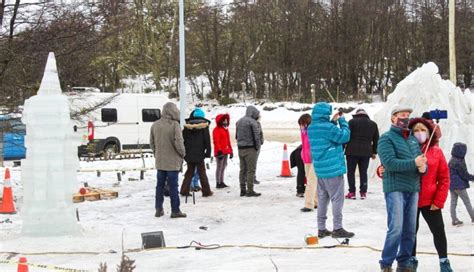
(222, 147)
(433, 190)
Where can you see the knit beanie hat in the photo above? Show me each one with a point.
(198, 113)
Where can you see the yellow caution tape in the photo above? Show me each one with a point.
(45, 266)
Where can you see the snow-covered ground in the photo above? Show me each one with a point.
(272, 219)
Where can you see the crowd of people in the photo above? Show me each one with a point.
(416, 176)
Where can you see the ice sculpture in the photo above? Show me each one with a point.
(49, 170)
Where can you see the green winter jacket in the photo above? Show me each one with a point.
(397, 155)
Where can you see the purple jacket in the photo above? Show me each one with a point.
(306, 150)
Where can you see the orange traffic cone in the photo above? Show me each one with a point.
(285, 164)
(7, 204)
(22, 265)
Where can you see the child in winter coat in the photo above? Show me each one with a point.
(460, 178)
(310, 196)
(222, 147)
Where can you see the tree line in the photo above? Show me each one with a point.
(344, 49)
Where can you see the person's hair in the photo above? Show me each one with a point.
(304, 119)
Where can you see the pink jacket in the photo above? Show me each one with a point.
(306, 149)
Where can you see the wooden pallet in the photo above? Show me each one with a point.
(94, 194)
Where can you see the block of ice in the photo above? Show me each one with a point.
(49, 172)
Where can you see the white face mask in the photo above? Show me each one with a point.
(421, 136)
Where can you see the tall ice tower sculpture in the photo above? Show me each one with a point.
(49, 171)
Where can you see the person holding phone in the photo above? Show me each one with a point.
(433, 190)
(404, 164)
(326, 137)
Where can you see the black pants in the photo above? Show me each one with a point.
(436, 225)
(300, 177)
(352, 163)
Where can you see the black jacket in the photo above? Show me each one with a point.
(364, 136)
(197, 139)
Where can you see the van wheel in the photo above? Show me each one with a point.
(110, 151)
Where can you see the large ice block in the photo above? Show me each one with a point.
(49, 172)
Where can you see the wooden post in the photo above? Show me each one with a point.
(313, 93)
(452, 45)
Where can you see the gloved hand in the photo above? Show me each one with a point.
(231, 155)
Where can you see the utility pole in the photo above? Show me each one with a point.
(182, 67)
(452, 44)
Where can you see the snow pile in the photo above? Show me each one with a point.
(425, 90)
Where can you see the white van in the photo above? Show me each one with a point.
(117, 122)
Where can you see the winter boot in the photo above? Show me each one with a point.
(243, 192)
(342, 233)
(208, 195)
(351, 195)
(386, 269)
(363, 195)
(413, 263)
(445, 266)
(405, 269)
(324, 233)
(457, 222)
(224, 185)
(178, 215)
(159, 213)
(252, 193)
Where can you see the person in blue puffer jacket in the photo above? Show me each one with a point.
(460, 178)
(326, 137)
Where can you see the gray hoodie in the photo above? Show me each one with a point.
(248, 131)
(166, 140)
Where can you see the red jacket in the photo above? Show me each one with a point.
(221, 137)
(435, 183)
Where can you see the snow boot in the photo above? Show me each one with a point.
(178, 215)
(342, 233)
(252, 193)
(324, 233)
(243, 192)
(445, 266)
(159, 213)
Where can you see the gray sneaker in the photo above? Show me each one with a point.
(342, 233)
(324, 233)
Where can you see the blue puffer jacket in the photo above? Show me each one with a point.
(326, 140)
(460, 177)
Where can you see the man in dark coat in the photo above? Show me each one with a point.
(197, 141)
(361, 147)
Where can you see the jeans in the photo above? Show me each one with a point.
(172, 178)
(195, 180)
(401, 233)
(352, 163)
